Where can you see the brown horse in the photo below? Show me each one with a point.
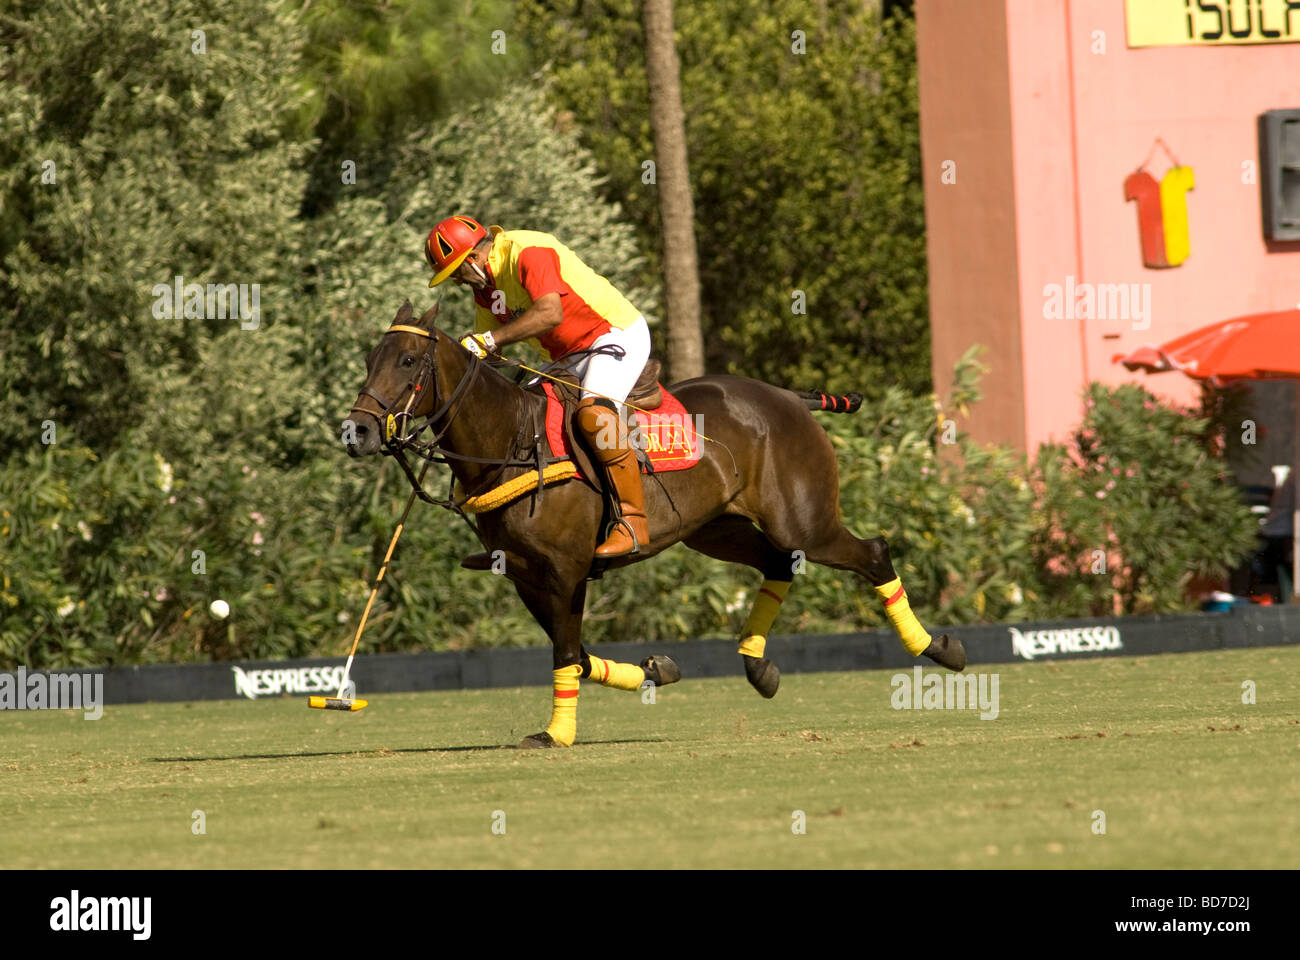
(765, 493)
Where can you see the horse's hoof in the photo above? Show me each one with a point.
(661, 671)
(763, 675)
(536, 741)
(947, 652)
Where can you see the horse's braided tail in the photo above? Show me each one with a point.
(833, 403)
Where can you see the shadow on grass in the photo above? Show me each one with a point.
(381, 752)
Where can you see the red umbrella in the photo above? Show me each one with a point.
(1261, 346)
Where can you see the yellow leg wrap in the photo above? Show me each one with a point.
(900, 614)
(564, 706)
(620, 676)
(753, 641)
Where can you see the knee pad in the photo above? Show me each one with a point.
(591, 415)
(588, 416)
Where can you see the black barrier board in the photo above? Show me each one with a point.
(872, 650)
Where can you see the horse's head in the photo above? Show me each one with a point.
(400, 383)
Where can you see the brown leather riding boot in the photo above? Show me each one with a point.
(625, 477)
(607, 436)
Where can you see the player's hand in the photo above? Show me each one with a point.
(479, 344)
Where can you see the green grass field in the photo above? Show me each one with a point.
(709, 776)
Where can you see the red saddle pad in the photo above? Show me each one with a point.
(668, 431)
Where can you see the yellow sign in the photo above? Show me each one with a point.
(1177, 23)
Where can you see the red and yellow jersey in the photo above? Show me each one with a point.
(525, 266)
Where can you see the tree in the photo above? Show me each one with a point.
(676, 209)
(169, 424)
(375, 72)
(803, 123)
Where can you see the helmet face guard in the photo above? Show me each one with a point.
(449, 243)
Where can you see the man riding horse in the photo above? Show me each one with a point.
(764, 492)
(530, 286)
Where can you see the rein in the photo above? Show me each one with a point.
(396, 443)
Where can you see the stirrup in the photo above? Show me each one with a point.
(609, 529)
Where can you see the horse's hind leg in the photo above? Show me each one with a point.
(870, 559)
(736, 540)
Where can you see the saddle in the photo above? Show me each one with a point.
(646, 393)
(559, 439)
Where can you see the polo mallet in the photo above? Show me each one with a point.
(346, 700)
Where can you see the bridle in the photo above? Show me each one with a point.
(388, 420)
(402, 429)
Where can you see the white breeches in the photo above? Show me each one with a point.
(607, 376)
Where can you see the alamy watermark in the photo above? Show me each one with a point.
(53, 691)
(216, 301)
(76, 913)
(1098, 301)
(666, 434)
(954, 691)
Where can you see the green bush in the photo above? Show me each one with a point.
(1138, 503)
(955, 515)
(194, 459)
(184, 435)
(975, 535)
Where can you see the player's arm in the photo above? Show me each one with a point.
(539, 275)
(545, 314)
(486, 322)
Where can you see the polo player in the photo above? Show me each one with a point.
(529, 286)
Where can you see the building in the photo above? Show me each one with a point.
(1046, 125)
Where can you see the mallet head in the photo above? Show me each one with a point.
(335, 703)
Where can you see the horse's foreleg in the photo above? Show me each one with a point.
(625, 676)
(560, 615)
(609, 673)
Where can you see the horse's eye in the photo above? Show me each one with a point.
(408, 361)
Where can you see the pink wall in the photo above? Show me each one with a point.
(1081, 121)
(969, 206)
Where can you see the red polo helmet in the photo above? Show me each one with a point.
(449, 243)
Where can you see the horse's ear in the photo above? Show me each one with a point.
(404, 315)
(427, 318)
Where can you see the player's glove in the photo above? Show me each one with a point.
(479, 344)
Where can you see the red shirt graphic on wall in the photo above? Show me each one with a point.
(1162, 211)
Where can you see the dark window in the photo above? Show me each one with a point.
(1279, 173)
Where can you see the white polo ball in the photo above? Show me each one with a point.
(220, 609)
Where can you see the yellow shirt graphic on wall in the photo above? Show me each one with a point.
(1173, 209)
